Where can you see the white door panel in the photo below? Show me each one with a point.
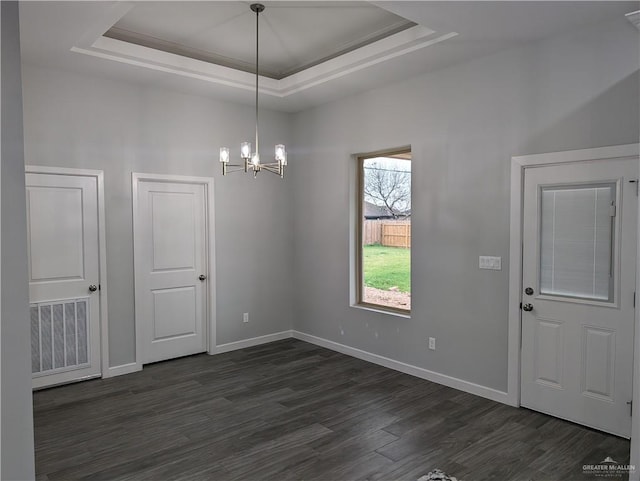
(173, 231)
(598, 357)
(171, 254)
(49, 230)
(174, 312)
(579, 251)
(63, 247)
(548, 342)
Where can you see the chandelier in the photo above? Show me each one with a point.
(252, 159)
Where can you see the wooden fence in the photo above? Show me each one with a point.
(387, 233)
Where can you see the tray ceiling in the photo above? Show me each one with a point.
(293, 35)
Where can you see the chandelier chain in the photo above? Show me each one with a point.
(257, 73)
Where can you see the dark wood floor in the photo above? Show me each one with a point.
(293, 411)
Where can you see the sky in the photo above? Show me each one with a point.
(389, 163)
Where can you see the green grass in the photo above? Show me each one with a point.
(386, 267)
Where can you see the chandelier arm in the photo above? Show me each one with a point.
(231, 171)
(274, 167)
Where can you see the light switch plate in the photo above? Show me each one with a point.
(491, 263)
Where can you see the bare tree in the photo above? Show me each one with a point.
(389, 188)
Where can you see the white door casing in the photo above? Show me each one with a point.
(579, 249)
(67, 281)
(172, 242)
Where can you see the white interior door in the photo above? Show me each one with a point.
(579, 258)
(64, 277)
(171, 268)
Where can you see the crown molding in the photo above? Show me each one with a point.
(396, 45)
(634, 18)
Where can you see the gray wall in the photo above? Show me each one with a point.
(79, 121)
(16, 458)
(464, 123)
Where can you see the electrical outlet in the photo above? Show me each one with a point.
(432, 343)
(245, 317)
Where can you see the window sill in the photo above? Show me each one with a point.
(381, 310)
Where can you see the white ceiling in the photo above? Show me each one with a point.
(302, 42)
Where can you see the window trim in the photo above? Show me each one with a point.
(359, 268)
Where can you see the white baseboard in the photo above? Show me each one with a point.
(420, 372)
(254, 341)
(122, 369)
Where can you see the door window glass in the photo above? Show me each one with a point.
(576, 241)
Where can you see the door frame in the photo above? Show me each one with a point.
(102, 253)
(210, 295)
(519, 164)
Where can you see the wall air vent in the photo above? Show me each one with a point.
(59, 336)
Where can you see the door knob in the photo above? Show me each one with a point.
(202, 277)
(527, 307)
(93, 288)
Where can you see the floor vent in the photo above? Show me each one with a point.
(59, 336)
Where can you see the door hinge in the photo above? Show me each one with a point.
(612, 209)
(630, 403)
(635, 181)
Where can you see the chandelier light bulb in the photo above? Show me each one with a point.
(245, 150)
(280, 153)
(224, 154)
(255, 160)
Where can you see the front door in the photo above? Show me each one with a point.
(64, 277)
(579, 258)
(171, 275)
